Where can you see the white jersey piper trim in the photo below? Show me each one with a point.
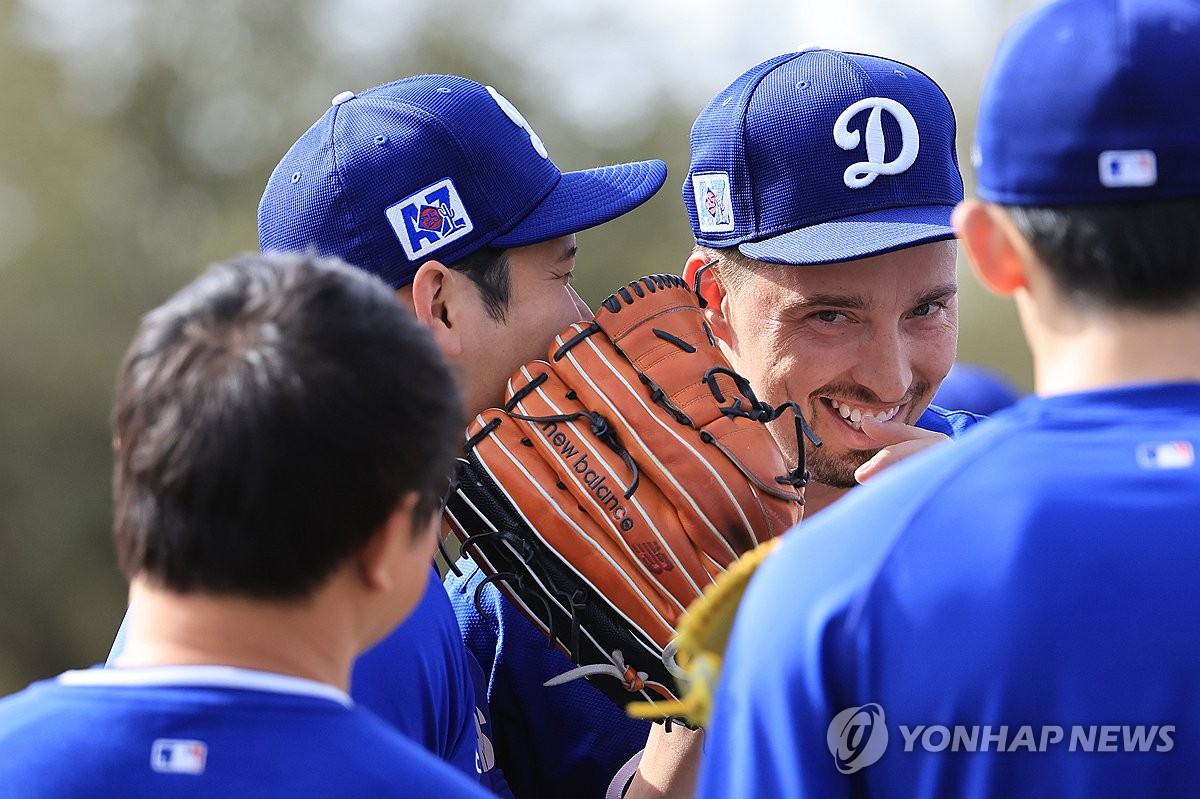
(205, 676)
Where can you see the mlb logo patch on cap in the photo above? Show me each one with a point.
(1093, 103)
(430, 219)
(1120, 168)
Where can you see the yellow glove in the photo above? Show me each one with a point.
(700, 641)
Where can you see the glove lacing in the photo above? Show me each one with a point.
(751, 407)
(633, 680)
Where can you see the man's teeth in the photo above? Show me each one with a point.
(854, 416)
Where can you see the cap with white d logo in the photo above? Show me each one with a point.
(822, 156)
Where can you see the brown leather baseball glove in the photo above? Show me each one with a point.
(623, 474)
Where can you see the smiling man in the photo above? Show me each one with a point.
(829, 269)
(1027, 592)
(820, 193)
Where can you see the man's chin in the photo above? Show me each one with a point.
(834, 480)
(837, 469)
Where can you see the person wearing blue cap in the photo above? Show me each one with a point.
(1013, 615)
(440, 187)
(276, 487)
(820, 193)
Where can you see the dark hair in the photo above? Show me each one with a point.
(488, 269)
(1142, 257)
(268, 418)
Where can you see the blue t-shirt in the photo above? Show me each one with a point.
(204, 731)
(1015, 615)
(565, 740)
(568, 739)
(947, 422)
(420, 680)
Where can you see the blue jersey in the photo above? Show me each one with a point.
(203, 731)
(419, 679)
(567, 739)
(1011, 616)
(950, 423)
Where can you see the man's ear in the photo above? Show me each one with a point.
(710, 289)
(434, 294)
(390, 544)
(994, 246)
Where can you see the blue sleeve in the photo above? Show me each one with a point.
(796, 654)
(777, 694)
(950, 423)
(563, 740)
(418, 680)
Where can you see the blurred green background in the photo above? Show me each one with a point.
(136, 136)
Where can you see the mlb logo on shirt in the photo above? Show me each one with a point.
(1171, 455)
(430, 219)
(1122, 168)
(178, 756)
(714, 206)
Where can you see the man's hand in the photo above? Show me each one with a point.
(899, 441)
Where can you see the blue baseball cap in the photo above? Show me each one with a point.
(821, 156)
(432, 166)
(1092, 102)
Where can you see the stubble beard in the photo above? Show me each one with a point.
(836, 469)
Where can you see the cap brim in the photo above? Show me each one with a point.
(587, 198)
(855, 237)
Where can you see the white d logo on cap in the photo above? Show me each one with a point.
(511, 111)
(863, 173)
